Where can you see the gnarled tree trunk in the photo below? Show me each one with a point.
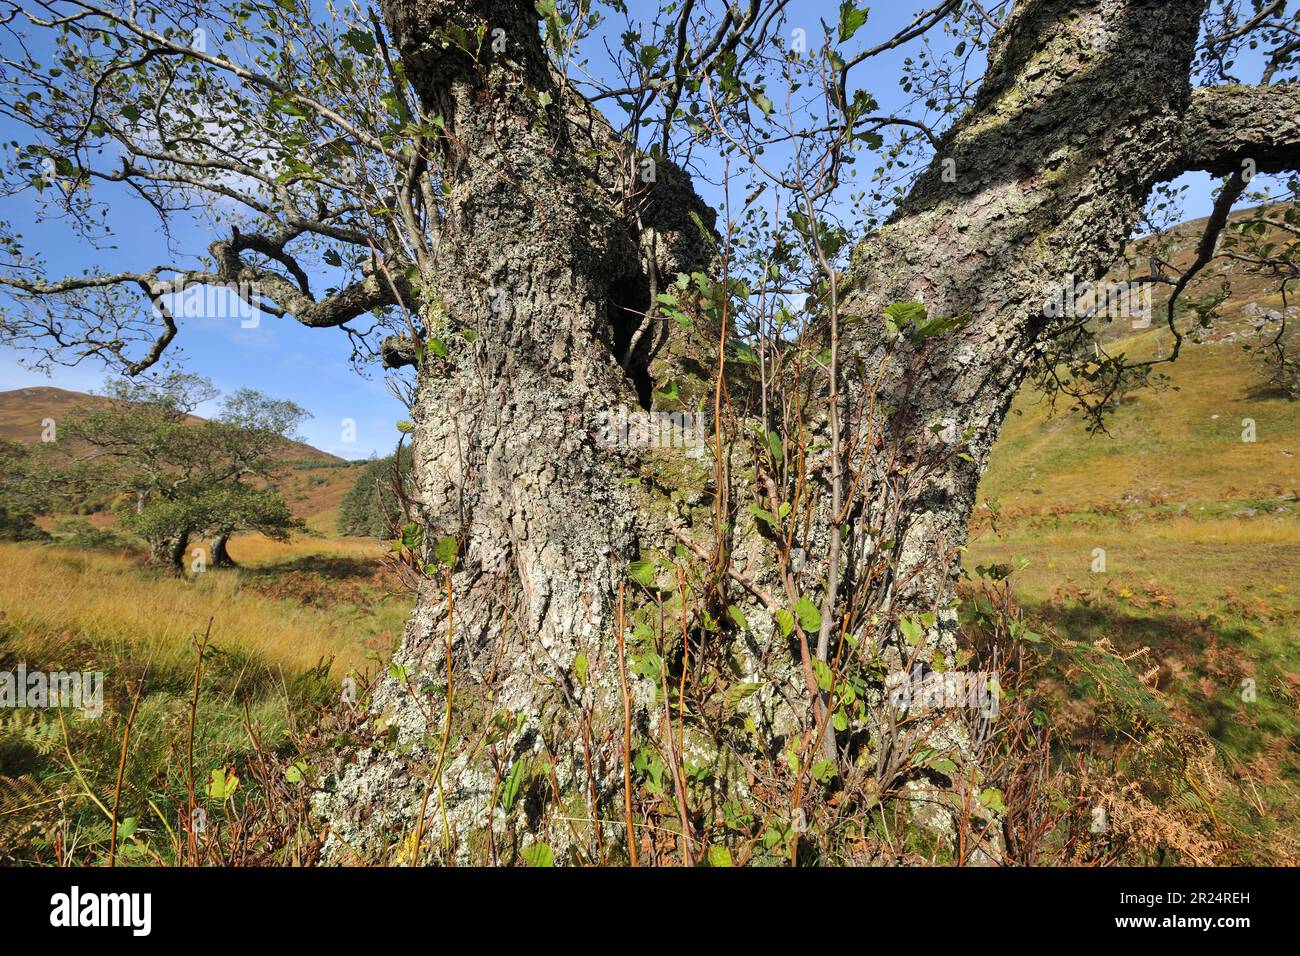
(540, 283)
(169, 551)
(220, 555)
(1079, 116)
(1084, 109)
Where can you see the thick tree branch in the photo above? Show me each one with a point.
(1227, 127)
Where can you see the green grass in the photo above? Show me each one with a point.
(286, 630)
(1181, 442)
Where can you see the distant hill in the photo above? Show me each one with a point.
(1179, 441)
(23, 409)
(314, 484)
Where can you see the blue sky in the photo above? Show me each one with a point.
(311, 366)
(279, 356)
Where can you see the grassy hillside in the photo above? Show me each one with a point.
(1182, 442)
(1201, 538)
(23, 409)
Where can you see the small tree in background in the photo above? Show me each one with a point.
(243, 440)
(371, 508)
(24, 494)
(179, 476)
(141, 445)
(227, 509)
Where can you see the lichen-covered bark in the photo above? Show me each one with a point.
(1231, 128)
(169, 550)
(1080, 114)
(543, 263)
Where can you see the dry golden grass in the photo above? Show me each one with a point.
(326, 522)
(1194, 560)
(257, 550)
(50, 596)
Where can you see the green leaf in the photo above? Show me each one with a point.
(851, 20)
(744, 354)
(822, 671)
(763, 516)
(538, 854)
(412, 536)
(282, 105)
(912, 631)
(642, 572)
(222, 785)
(904, 313)
(650, 666)
(511, 788)
(991, 797)
(737, 617)
(737, 693)
(824, 771)
(785, 621)
(938, 326)
(810, 619)
(446, 549)
(361, 41)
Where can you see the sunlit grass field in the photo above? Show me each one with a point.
(54, 597)
(1180, 441)
(1171, 533)
(287, 628)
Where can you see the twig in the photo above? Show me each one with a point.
(121, 769)
(627, 733)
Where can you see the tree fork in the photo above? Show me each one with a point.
(1086, 105)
